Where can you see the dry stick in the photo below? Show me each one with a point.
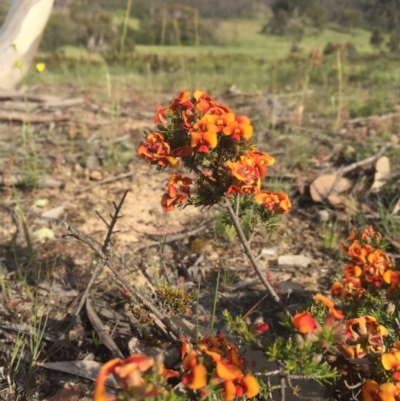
(101, 331)
(253, 260)
(99, 266)
(282, 389)
(344, 170)
(97, 270)
(73, 232)
(370, 159)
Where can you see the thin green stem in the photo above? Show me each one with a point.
(197, 310)
(215, 300)
(125, 26)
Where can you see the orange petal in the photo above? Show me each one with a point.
(304, 322)
(251, 385)
(195, 138)
(229, 390)
(190, 360)
(173, 162)
(390, 361)
(326, 301)
(370, 390)
(100, 389)
(211, 139)
(199, 374)
(247, 130)
(227, 372)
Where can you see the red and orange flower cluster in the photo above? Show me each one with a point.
(357, 338)
(305, 323)
(221, 358)
(139, 377)
(369, 267)
(372, 391)
(364, 335)
(212, 363)
(214, 142)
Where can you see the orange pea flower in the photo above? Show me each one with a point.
(365, 328)
(391, 361)
(196, 374)
(237, 388)
(100, 393)
(349, 288)
(370, 391)
(262, 160)
(337, 314)
(241, 189)
(182, 101)
(221, 121)
(233, 382)
(304, 322)
(392, 277)
(161, 116)
(178, 192)
(353, 351)
(278, 202)
(129, 374)
(358, 252)
(245, 172)
(243, 120)
(206, 135)
(238, 131)
(156, 151)
(185, 347)
(259, 328)
(389, 391)
(206, 104)
(352, 270)
(369, 233)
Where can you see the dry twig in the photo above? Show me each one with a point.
(161, 320)
(253, 260)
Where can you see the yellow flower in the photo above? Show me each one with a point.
(40, 67)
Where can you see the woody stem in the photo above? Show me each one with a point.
(249, 254)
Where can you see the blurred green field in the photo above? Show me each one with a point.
(244, 37)
(249, 61)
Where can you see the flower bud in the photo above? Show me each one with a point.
(390, 308)
(317, 358)
(298, 339)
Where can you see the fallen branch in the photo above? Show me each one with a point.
(368, 160)
(101, 331)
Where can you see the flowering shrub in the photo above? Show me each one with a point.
(213, 142)
(368, 269)
(322, 342)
